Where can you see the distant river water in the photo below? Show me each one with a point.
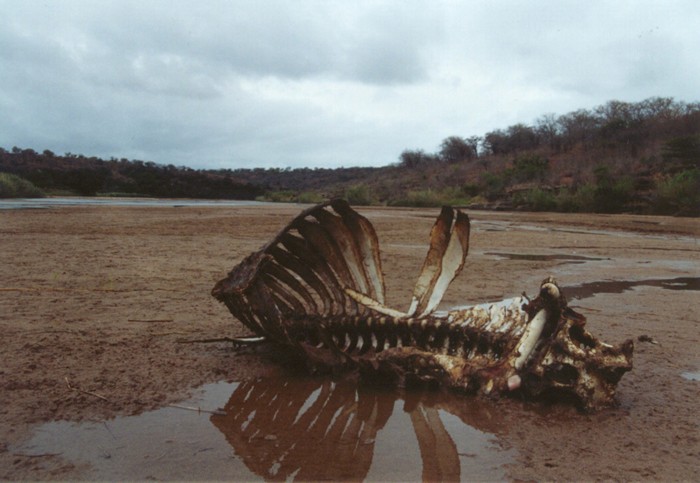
(39, 203)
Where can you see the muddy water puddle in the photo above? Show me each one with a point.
(590, 289)
(545, 257)
(290, 428)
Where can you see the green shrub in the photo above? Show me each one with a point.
(471, 189)
(679, 193)
(285, 196)
(567, 202)
(432, 198)
(12, 186)
(585, 198)
(541, 200)
(493, 185)
(310, 197)
(291, 196)
(611, 194)
(359, 194)
(528, 167)
(420, 199)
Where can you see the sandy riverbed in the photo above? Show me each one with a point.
(93, 300)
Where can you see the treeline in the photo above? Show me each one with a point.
(624, 127)
(639, 157)
(88, 176)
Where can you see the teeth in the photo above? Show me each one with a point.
(446, 345)
(514, 382)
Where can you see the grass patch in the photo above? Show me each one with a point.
(360, 195)
(121, 194)
(433, 198)
(12, 186)
(291, 196)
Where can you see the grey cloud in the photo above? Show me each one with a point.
(282, 39)
(332, 82)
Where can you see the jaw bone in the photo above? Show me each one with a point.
(318, 289)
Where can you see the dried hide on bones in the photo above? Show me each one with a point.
(318, 288)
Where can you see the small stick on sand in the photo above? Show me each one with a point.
(42, 455)
(217, 412)
(207, 341)
(85, 392)
(246, 341)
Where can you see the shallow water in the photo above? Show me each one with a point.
(41, 203)
(299, 428)
(590, 289)
(691, 376)
(545, 257)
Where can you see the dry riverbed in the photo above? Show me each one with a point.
(93, 301)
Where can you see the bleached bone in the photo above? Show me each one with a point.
(318, 288)
(449, 245)
(530, 337)
(374, 305)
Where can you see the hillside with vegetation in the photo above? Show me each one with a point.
(73, 174)
(639, 157)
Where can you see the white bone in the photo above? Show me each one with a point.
(370, 303)
(530, 338)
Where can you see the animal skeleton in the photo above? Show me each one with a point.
(318, 288)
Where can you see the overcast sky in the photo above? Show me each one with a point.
(233, 84)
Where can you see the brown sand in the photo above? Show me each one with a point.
(93, 299)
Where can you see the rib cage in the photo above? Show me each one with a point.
(315, 270)
(318, 288)
(304, 272)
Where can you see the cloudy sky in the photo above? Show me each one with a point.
(262, 83)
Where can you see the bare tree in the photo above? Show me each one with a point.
(455, 149)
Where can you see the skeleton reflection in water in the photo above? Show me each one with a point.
(312, 430)
(318, 289)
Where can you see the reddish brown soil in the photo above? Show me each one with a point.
(93, 300)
